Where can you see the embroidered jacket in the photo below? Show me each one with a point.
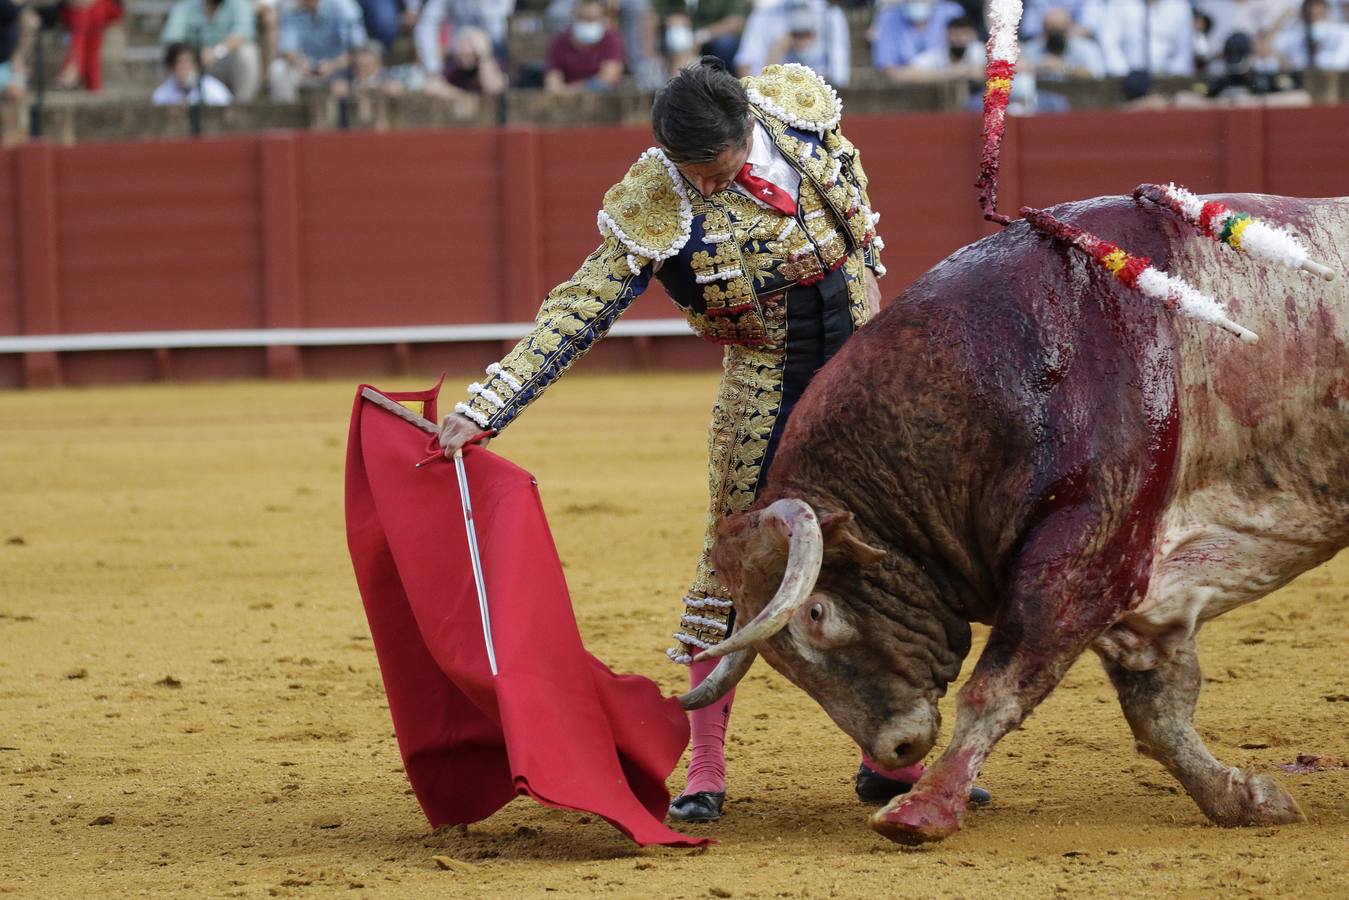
(721, 258)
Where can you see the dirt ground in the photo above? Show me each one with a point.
(190, 704)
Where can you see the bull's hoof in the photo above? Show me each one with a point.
(916, 818)
(1255, 800)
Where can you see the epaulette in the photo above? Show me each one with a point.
(797, 96)
(648, 211)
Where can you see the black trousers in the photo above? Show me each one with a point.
(819, 320)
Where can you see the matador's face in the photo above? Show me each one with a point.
(717, 174)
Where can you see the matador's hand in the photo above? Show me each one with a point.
(873, 294)
(456, 431)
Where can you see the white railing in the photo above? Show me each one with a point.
(310, 337)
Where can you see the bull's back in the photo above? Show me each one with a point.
(1271, 417)
(1016, 363)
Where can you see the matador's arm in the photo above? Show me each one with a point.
(850, 157)
(576, 314)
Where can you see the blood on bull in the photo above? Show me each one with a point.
(1042, 451)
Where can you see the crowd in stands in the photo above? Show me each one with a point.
(221, 51)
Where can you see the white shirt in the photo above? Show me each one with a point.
(767, 162)
(769, 21)
(213, 90)
(1332, 50)
(1249, 16)
(1123, 27)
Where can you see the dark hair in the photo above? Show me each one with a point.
(700, 112)
(173, 51)
(960, 22)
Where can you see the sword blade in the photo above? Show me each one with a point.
(476, 557)
(430, 427)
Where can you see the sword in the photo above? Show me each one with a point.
(430, 427)
(476, 557)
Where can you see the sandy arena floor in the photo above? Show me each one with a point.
(190, 705)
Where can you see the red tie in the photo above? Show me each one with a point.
(766, 191)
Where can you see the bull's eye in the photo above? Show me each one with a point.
(817, 612)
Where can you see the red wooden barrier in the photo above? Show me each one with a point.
(360, 230)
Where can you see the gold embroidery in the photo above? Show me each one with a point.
(647, 208)
(853, 270)
(803, 267)
(576, 314)
(714, 220)
(748, 402)
(799, 94)
(759, 267)
(735, 293)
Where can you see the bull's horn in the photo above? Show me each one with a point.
(720, 680)
(805, 552)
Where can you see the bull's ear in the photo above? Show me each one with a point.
(839, 532)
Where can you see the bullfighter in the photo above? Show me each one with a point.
(753, 213)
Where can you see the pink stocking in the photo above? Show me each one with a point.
(707, 765)
(908, 774)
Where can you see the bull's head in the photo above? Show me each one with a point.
(806, 581)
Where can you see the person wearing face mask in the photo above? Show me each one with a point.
(812, 32)
(1062, 51)
(1314, 29)
(962, 56)
(902, 31)
(754, 215)
(678, 42)
(816, 37)
(701, 27)
(587, 56)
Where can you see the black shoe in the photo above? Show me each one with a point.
(704, 806)
(874, 788)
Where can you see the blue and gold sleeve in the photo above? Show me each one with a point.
(575, 315)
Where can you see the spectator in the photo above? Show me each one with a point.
(816, 37)
(637, 25)
(490, 16)
(1062, 50)
(1241, 78)
(587, 56)
(369, 76)
(904, 30)
(1079, 14)
(1250, 17)
(768, 24)
(315, 44)
(1152, 36)
(268, 28)
(470, 67)
(1201, 42)
(186, 84)
(18, 29)
(384, 19)
(695, 28)
(1327, 39)
(85, 22)
(227, 36)
(961, 56)
(679, 48)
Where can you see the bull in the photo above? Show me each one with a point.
(1020, 441)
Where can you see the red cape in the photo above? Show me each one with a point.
(556, 723)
